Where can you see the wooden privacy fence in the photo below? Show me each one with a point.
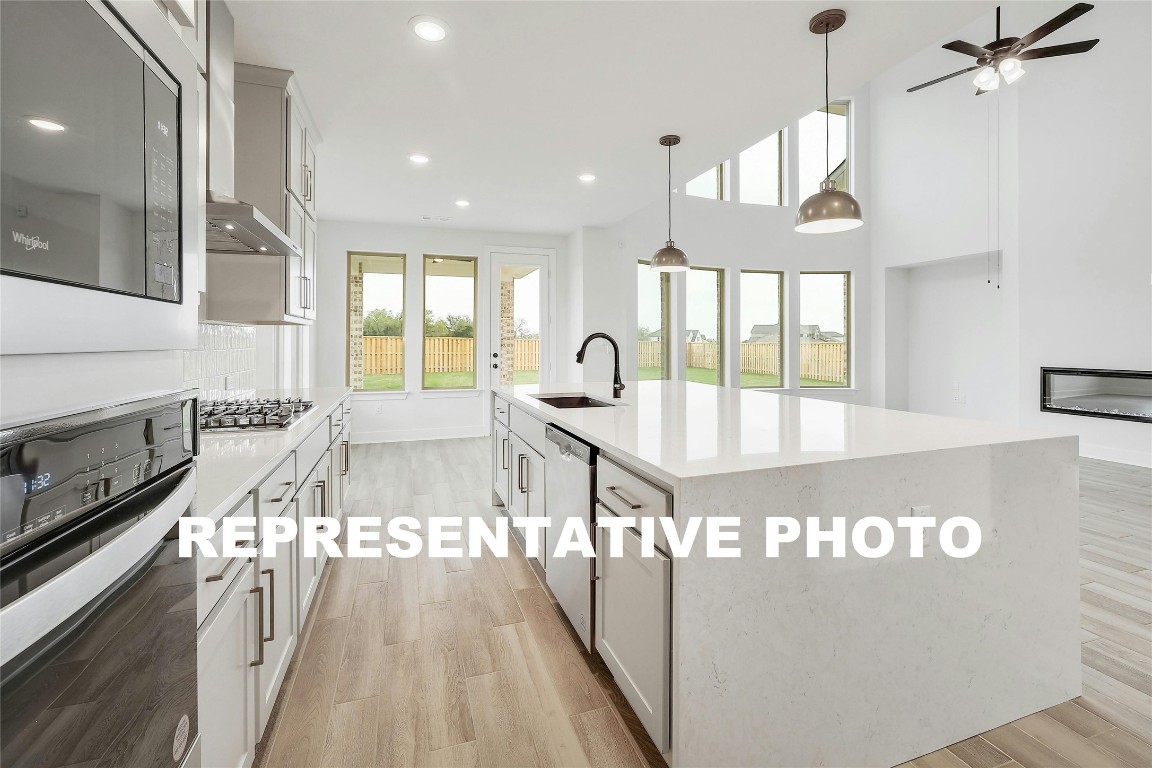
(819, 360)
(442, 354)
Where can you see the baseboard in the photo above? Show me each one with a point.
(1119, 455)
(424, 433)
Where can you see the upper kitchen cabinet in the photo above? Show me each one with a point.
(275, 147)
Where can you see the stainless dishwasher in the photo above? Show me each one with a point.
(570, 465)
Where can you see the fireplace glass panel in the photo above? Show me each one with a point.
(1101, 393)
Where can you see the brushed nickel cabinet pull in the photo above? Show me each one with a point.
(520, 473)
(220, 576)
(347, 457)
(630, 504)
(259, 625)
(504, 453)
(271, 573)
(287, 484)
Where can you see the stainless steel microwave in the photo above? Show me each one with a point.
(90, 176)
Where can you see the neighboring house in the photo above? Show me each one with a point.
(764, 333)
(689, 336)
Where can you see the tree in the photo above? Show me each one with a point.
(643, 333)
(383, 322)
(522, 330)
(459, 326)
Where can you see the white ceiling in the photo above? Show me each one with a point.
(524, 96)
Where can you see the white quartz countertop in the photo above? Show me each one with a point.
(231, 464)
(680, 429)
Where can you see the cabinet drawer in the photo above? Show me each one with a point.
(626, 494)
(500, 410)
(312, 449)
(530, 430)
(275, 493)
(215, 574)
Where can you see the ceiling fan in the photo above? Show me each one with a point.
(1004, 56)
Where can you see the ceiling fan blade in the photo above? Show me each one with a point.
(1044, 30)
(980, 91)
(967, 48)
(942, 79)
(1058, 50)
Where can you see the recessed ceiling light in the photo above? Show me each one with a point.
(428, 28)
(587, 177)
(45, 124)
(463, 203)
(229, 226)
(263, 248)
(418, 159)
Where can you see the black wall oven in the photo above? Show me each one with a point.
(90, 173)
(97, 608)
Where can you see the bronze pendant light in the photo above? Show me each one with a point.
(669, 258)
(829, 210)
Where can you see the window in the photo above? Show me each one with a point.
(375, 321)
(824, 329)
(762, 172)
(651, 323)
(449, 322)
(811, 149)
(712, 184)
(761, 328)
(704, 336)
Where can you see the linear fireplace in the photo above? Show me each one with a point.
(1106, 394)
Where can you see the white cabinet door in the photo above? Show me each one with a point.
(309, 268)
(324, 505)
(228, 645)
(342, 469)
(295, 155)
(307, 568)
(501, 460)
(526, 478)
(294, 279)
(633, 627)
(277, 576)
(309, 174)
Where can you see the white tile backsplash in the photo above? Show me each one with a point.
(224, 365)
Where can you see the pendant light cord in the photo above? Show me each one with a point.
(669, 193)
(827, 110)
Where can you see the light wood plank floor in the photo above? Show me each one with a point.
(467, 662)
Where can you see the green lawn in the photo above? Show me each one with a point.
(708, 376)
(384, 382)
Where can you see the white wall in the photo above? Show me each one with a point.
(734, 236)
(958, 356)
(415, 414)
(1051, 175)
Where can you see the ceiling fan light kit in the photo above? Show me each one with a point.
(669, 258)
(1004, 57)
(830, 209)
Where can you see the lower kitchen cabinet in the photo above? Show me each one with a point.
(277, 576)
(527, 491)
(501, 461)
(228, 647)
(633, 628)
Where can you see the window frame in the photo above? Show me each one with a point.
(352, 255)
(475, 322)
(849, 329)
(782, 322)
(665, 322)
(721, 329)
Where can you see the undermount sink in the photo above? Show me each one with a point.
(572, 401)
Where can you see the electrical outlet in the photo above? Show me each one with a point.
(230, 381)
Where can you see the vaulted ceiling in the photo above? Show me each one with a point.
(522, 97)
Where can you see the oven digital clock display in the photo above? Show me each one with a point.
(37, 483)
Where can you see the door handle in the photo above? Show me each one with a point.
(271, 572)
(259, 625)
(287, 484)
(220, 576)
(624, 500)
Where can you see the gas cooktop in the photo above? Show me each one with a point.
(262, 414)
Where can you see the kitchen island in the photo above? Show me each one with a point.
(836, 661)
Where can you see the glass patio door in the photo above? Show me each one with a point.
(519, 350)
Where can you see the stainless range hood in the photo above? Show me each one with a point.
(238, 227)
